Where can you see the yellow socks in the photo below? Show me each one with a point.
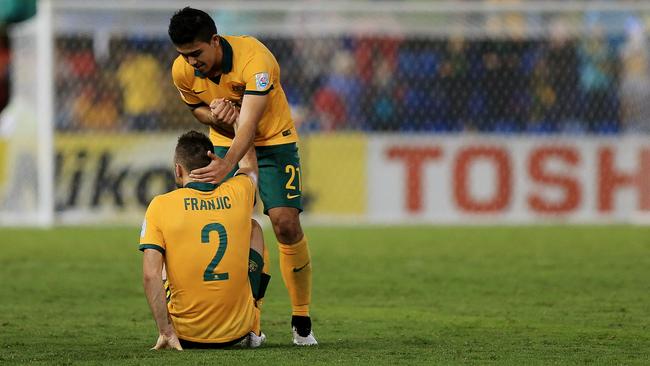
(295, 265)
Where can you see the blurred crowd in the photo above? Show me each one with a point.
(500, 80)
(592, 84)
(596, 84)
(127, 87)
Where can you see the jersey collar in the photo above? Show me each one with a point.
(200, 186)
(226, 61)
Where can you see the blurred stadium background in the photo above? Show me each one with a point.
(485, 113)
(409, 111)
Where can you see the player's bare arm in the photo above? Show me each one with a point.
(152, 265)
(251, 112)
(248, 165)
(220, 115)
(203, 115)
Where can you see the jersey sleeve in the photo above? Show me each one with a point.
(151, 235)
(258, 74)
(244, 184)
(183, 84)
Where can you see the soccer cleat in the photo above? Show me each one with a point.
(255, 340)
(299, 340)
(301, 330)
(252, 340)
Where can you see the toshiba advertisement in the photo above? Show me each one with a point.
(501, 179)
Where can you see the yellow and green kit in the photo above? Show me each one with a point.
(204, 232)
(248, 67)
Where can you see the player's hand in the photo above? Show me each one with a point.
(168, 341)
(224, 112)
(213, 172)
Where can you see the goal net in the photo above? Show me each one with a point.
(408, 112)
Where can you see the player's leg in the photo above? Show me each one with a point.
(295, 260)
(258, 267)
(259, 279)
(295, 266)
(280, 191)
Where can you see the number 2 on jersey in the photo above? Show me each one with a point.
(209, 274)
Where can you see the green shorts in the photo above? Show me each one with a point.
(280, 181)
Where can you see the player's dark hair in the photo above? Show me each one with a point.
(192, 150)
(189, 25)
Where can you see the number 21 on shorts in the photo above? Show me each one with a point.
(292, 181)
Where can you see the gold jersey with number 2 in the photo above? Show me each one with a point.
(204, 233)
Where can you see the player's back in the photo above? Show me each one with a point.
(206, 231)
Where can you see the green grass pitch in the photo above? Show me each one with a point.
(382, 295)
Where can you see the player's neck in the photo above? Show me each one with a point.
(214, 72)
(216, 68)
(186, 179)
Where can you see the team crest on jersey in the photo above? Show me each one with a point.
(144, 228)
(262, 80)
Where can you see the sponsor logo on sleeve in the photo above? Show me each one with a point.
(262, 80)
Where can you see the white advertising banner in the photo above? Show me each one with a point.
(474, 179)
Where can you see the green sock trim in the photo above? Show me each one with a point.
(255, 265)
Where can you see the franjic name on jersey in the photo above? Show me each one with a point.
(216, 203)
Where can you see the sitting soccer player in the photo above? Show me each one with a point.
(212, 251)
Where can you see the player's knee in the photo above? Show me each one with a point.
(287, 229)
(256, 227)
(257, 236)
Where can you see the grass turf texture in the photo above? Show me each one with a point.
(394, 295)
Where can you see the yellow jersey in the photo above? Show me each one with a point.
(248, 67)
(204, 231)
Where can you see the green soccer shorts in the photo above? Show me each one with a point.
(280, 181)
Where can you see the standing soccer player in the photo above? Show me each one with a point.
(235, 79)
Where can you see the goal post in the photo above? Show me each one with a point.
(27, 127)
(45, 112)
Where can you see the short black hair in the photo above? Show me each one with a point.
(192, 150)
(189, 25)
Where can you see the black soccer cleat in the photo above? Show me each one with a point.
(302, 333)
